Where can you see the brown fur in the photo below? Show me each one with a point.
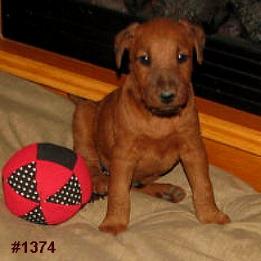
(141, 130)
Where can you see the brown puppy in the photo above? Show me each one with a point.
(141, 130)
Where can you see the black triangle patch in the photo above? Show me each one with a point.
(23, 181)
(69, 194)
(35, 216)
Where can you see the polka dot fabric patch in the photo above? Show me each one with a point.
(35, 216)
(70, 194)
(23, 181)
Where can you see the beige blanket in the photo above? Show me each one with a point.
(158, 230)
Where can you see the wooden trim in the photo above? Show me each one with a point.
(58, 61)
(231, 134)
(244, 165)
(55, 77)
(237, 134)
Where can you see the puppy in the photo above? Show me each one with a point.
(141, 130)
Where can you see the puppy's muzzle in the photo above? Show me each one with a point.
(166, 85)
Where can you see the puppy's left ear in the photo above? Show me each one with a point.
(198, 37)
(123, 41)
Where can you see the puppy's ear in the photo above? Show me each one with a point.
(199, 42)
(123, 41)
(198, 37)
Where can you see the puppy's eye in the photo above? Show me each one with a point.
(144, 59)
(182, 57)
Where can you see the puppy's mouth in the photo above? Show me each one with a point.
(166, 112)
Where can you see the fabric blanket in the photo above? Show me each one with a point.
(158, 230)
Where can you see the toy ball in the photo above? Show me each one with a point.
(46, 184)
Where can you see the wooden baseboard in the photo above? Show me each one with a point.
(232, 137)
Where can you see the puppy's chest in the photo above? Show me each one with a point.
(156, 156)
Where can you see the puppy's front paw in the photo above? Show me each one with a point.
(214, 217)
(113, 229)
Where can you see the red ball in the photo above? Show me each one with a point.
(46, 184)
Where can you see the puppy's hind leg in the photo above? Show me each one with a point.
(84, 144)
(167, 192)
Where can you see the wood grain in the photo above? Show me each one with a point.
(244, 165)
(232, 134)
(55, 77)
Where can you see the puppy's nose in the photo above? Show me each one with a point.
(167, 96)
